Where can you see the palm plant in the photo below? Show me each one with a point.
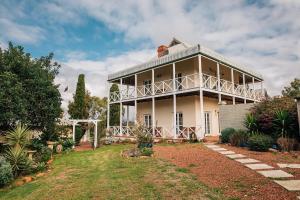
(251, 123)
(18, 137)
(18, 160)
(282, 122)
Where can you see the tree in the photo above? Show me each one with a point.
(293, 90)
(27, 90)
(114, 118)
(77, 108)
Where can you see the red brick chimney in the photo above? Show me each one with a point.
(162, 50)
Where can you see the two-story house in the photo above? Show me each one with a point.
(179, 92)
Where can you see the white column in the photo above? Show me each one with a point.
(121, 88)
(74, 124)
(174, 116)
(232, 90)
(108, 110)
(153, 116)
(127, 115)
(201, 112)
(121, 117)
(135, 112)
(244, 85)
(135, 102)
(219, 83)
(152, 83)
(95, 134)
(173, 76)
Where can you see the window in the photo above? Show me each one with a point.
(178, 84)
(147, 120)
(207, 121)
(147, 87)
(179, 121)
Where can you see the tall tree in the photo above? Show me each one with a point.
(77, 108)
(27, 90)
(293, 90)
(114, 118)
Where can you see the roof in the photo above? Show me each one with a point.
(180, 50)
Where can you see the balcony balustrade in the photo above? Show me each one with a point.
(186, 83)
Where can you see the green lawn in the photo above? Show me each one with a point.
(104, 174)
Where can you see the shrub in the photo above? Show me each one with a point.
(143, 137)
(18, 160)
(250, 123)
(19, 136)
(239, 138)
(36, 144)
(287, 144)
(146, 151)
(282, 123)
(260, 142)
(43, 155)
(67, 144)
(6, 175)
(225, 134)
(40, 166)
(78, 134)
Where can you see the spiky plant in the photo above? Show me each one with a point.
(250, 123)
(18, 160)
(18, 137)
(282, 122)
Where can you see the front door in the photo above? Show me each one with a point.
(147, 121)
(179, 121)
(207, 121)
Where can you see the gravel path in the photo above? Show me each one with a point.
(220, 172)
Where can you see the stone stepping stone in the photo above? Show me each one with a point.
(259, 166)
(211, 146)
(219, 149)
(293, 166)
(234, 156)
(291, 185)
(247, 160)
(275, 174)
(226, 152)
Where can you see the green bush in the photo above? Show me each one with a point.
(239, 138)
(67, 144)
(143, 136)
(146, 151)
(78, 134)
(6, 174)
(18, 160)
(36, 144)
(40, 167)
(260, 142)
(225, 134)
(43, 155)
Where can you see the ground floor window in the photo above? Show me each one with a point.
(179, 121)
(207, 120)
(147, 120)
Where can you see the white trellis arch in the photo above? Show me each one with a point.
(94, 121)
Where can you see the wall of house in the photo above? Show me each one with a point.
(232, 116)
(188, 105)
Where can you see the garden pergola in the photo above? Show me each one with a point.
(94, 121)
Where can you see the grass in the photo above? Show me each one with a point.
(104, 174)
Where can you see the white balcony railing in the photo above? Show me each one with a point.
(187, 82)
(159, 132)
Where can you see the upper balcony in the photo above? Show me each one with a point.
(187, 83)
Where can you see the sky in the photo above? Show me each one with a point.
(98, 37)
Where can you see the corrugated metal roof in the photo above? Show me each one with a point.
(194, 50)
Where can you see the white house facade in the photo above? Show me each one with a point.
(179, 92)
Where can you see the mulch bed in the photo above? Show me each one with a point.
(217, 171)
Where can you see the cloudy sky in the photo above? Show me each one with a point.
(97, 37)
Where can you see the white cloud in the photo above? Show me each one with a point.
(96, 72)
(20, 33)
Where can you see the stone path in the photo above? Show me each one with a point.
(262, 168)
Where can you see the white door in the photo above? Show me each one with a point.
(179, 121)
(207, 121)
